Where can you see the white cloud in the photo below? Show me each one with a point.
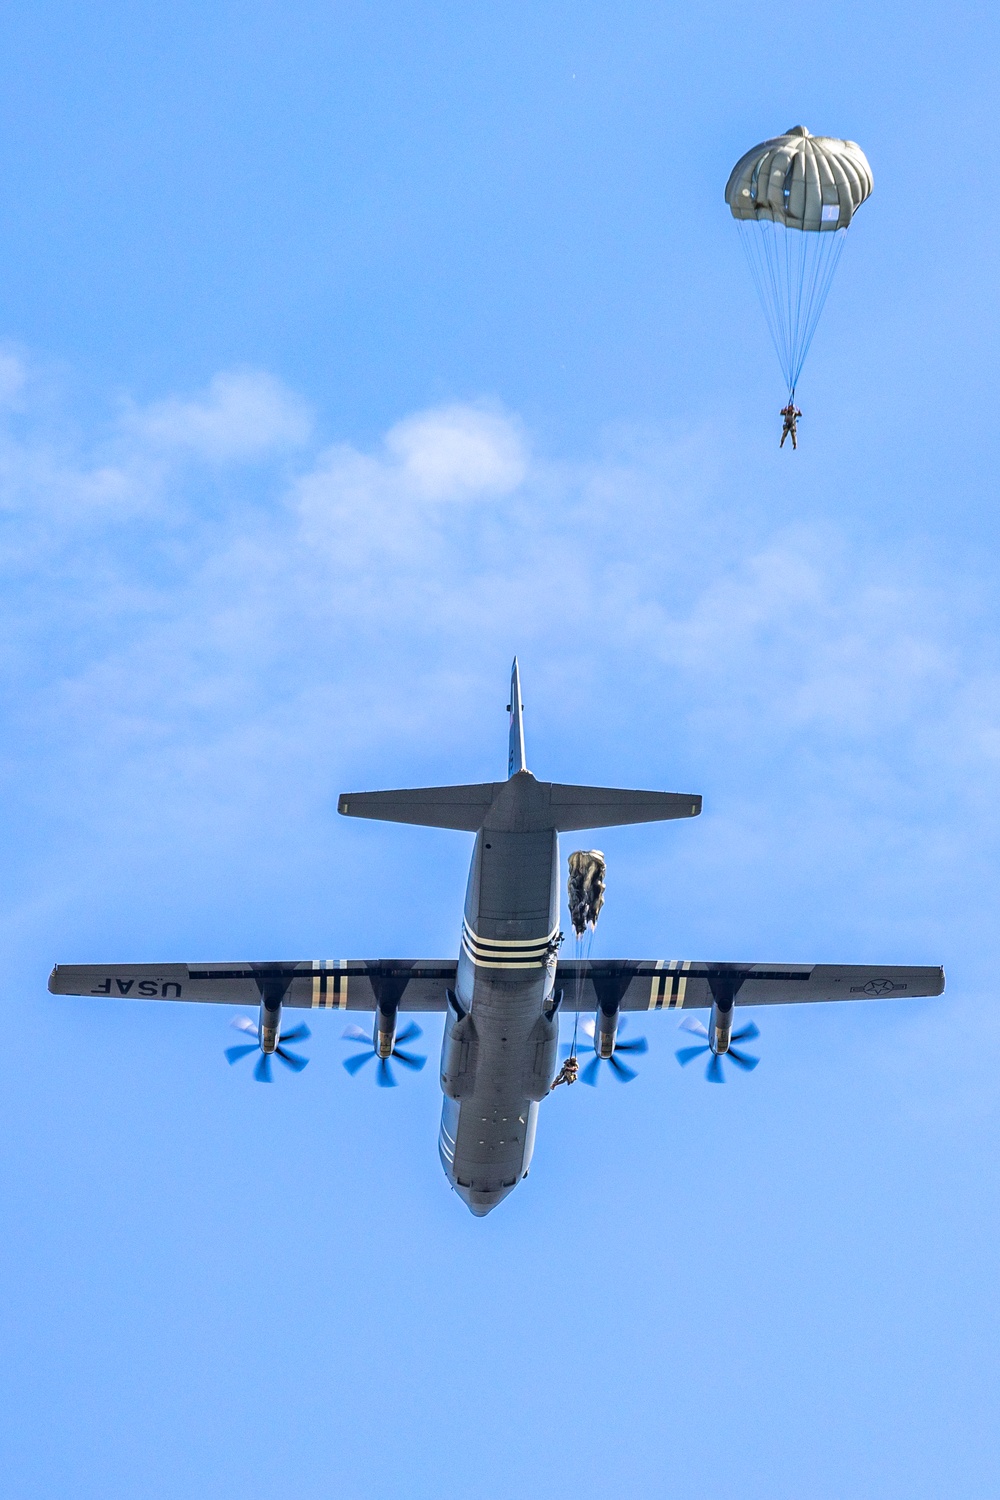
(55, 485)
(189, 661)
(458, 451)
(13, 378)
(628, 555)
(243, 415)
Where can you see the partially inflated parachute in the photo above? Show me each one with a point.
(794, 198)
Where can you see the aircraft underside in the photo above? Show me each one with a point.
(503, 997)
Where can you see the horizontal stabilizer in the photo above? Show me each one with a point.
(462, 807)
(522, 803)
(575, 807)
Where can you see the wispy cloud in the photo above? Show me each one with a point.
(183, 638)
(243, 415)
(457, 452)
(13, 378)
(450, 535)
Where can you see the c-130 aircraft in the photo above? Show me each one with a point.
(503, 996)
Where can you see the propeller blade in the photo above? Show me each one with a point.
(746, 1033)
(587, 1027)
(356, 1034)
(409, 1059)
(623, 1073)
(262, 1072)
(634, 1044)
(566, 1049)
(743, 1060)
(233, 1054)
(590, 1072)
(353, 1064)
(409, 1033)
(297, 1034)
(691, 1023)
(291, 1059)
(714, 1072)
(688, 1054)
(384, 1077)
(244, 1023)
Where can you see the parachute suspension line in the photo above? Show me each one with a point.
(579, 993)
(816, 266)
(763, 270)
(570, 1070)
(792, 271)
(585, 895)
(583, 943)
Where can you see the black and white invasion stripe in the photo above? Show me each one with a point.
(508, 953)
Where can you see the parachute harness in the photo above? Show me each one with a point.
(585, 893)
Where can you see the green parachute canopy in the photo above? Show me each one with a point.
(793, 199)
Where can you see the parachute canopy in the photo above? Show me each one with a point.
(803, 181)
(585, 888)
(793, 198)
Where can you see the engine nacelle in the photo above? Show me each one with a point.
(384, 1034)
(606, 1032)
(269, 1026)
(459, 1050)
(720, 1027)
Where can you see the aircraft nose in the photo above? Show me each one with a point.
(481, 1201)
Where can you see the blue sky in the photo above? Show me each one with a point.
(347, 350)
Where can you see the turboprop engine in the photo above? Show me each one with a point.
(268, 1040)
(606, 1031)
(384, 1045)
(719, 1038)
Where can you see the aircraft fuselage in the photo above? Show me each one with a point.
(499, 1051)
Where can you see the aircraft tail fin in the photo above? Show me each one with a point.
(520, 803)
(515, 758)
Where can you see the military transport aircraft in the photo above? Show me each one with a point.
(503, 996)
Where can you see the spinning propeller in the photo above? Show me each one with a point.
(383, 1076)
(714, 1072)
(620, 1070)
(262, 1072)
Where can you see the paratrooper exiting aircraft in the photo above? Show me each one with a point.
(503, 996)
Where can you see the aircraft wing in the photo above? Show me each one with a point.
(420, 984)
(321, 984)
(688, 985)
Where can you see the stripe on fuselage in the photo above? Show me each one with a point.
(508, 953)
